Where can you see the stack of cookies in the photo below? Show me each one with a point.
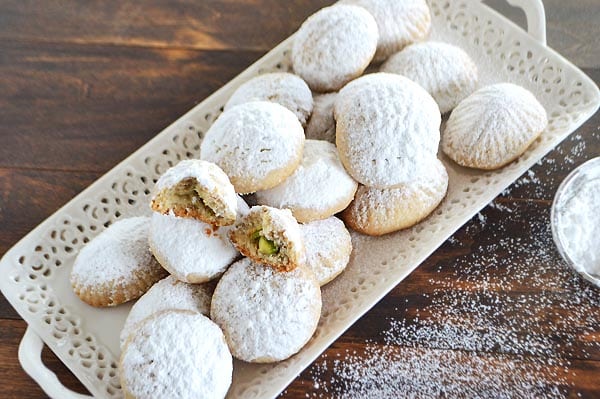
(220, 279)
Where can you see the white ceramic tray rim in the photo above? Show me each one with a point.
(36, 269)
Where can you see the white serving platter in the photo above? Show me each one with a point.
(35, 271)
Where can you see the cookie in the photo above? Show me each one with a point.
(377, 212)
(282, 88)
(168, 294)
(176, 354)
(116, 266)
(321, 125)
(258, 144)
(328, 247)
(318, 189)
(270, 236)
(444, 70)
(196, 189)
(266, 315)
(400, 23)
(386, 127)
(493, 126)
(334, 46)
(192, 251)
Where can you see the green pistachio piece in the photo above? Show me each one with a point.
(267, 247)
(256, 235)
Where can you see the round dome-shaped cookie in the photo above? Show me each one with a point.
(386, 127)
(493, 126)
(334, 46)
(192, 251)
(328, 247)
(196, 189)
(376, 212)
(258, 144)
(117, 265)
(176, 354)
(282, 88)
(168, 294)
(321, 125)
(270, 236)
(444, 70)
(266, 315)
(400, 23)
(318, 189)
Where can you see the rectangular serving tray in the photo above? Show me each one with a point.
(36, 270)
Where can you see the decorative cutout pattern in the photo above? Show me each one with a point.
(39, 264)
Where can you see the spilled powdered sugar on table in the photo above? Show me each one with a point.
(478, 305)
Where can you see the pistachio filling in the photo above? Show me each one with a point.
(265, 246)
(186, 193)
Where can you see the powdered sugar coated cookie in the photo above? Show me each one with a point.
(444, 70)
(282, 88)
(168, 294)
(376, 212)
(387, 126)
(117, 265)
(176, 354)
(266, 315)
(493, 126)
(318, 189)
(334, 46)
(258, 144)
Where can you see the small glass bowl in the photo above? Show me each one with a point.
(585, 172)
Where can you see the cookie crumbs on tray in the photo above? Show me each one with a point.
(488, 313)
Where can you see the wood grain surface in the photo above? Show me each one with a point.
(85, 83)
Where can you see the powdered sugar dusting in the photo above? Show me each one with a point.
(511, 296)
(321, 125)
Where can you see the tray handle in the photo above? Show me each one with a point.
(536, 17)
(30, 357)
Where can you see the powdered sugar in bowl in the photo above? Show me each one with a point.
(576, 220)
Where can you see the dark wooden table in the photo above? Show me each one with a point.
(494, 311)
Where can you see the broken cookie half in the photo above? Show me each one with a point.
(269, 236)
(196, 189)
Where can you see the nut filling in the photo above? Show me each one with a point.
(189, 199)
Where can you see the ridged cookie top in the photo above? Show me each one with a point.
(334, 46)
(257, 144)
(321, 125)
(319, 188)
(444, 70)
(493, 126)
(266, 315)
(282, 88)
(400, 23)
(118, 256)
(387, 125)
(176, 354)
(168, 294)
